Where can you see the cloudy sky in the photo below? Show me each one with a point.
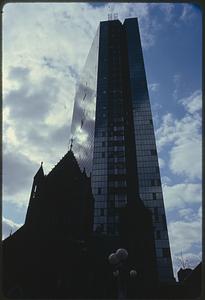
(44, 50)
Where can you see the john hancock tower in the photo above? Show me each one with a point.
(112, 136)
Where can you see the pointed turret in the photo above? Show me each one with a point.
(38, 181)
(40, 173)
(84, 172)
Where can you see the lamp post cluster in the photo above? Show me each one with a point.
(121, 271)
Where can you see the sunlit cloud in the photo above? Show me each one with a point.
(181, 194)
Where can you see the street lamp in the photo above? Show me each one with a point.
(118, 260)
(133, 273)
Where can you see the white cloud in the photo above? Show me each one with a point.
(193, 103)
(184, 137)
(186, 213)
(177, 81)
(177, 78)
(161, 162)
(182, 194)
(185, 239)
(185, 159)
(184, 235)
(9, 227)
(200, 212)
(186, 260)
(187, 12)
(166, 132)
(166, 180)
(167, 9)
(154, 87)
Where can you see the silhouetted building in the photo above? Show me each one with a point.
(62, 199)
(46, 256)
(183, 274)
(191, 286)
(113, 137)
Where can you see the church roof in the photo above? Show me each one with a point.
(68, 163)
(40, 172)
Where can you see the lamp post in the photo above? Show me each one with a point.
(119, 262)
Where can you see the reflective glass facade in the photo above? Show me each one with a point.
(113, 134)
(83, 122)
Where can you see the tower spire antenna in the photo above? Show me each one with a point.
(109, 13)
(115, 16)
(71, 144)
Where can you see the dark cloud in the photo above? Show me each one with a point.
(36, 136)
(97, 4)
(47, 138)
(59, 66)
(73, 72)
(31, 102)
(18, 172)
(12, 210)
(19, 73)
(60, 135)
(66, 15)
(49, 62)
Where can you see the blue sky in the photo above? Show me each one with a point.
(44, 50)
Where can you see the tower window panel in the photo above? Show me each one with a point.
(158, 235)
(159, 252)
(110, 171)
(153, 152)
(111, 229)
(159, 196)
(111, 204)
(121, 171)
(100, 204)
(166, 252)
(155, 182)
(111, 220)
(99, 198)
(101, 212)
(99, 227)
(156, 214)
(164, 235)
(97, 212)
(157, 169)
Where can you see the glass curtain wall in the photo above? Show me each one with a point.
(146, 153)
(83, 122)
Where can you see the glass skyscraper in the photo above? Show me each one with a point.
(112, 134)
